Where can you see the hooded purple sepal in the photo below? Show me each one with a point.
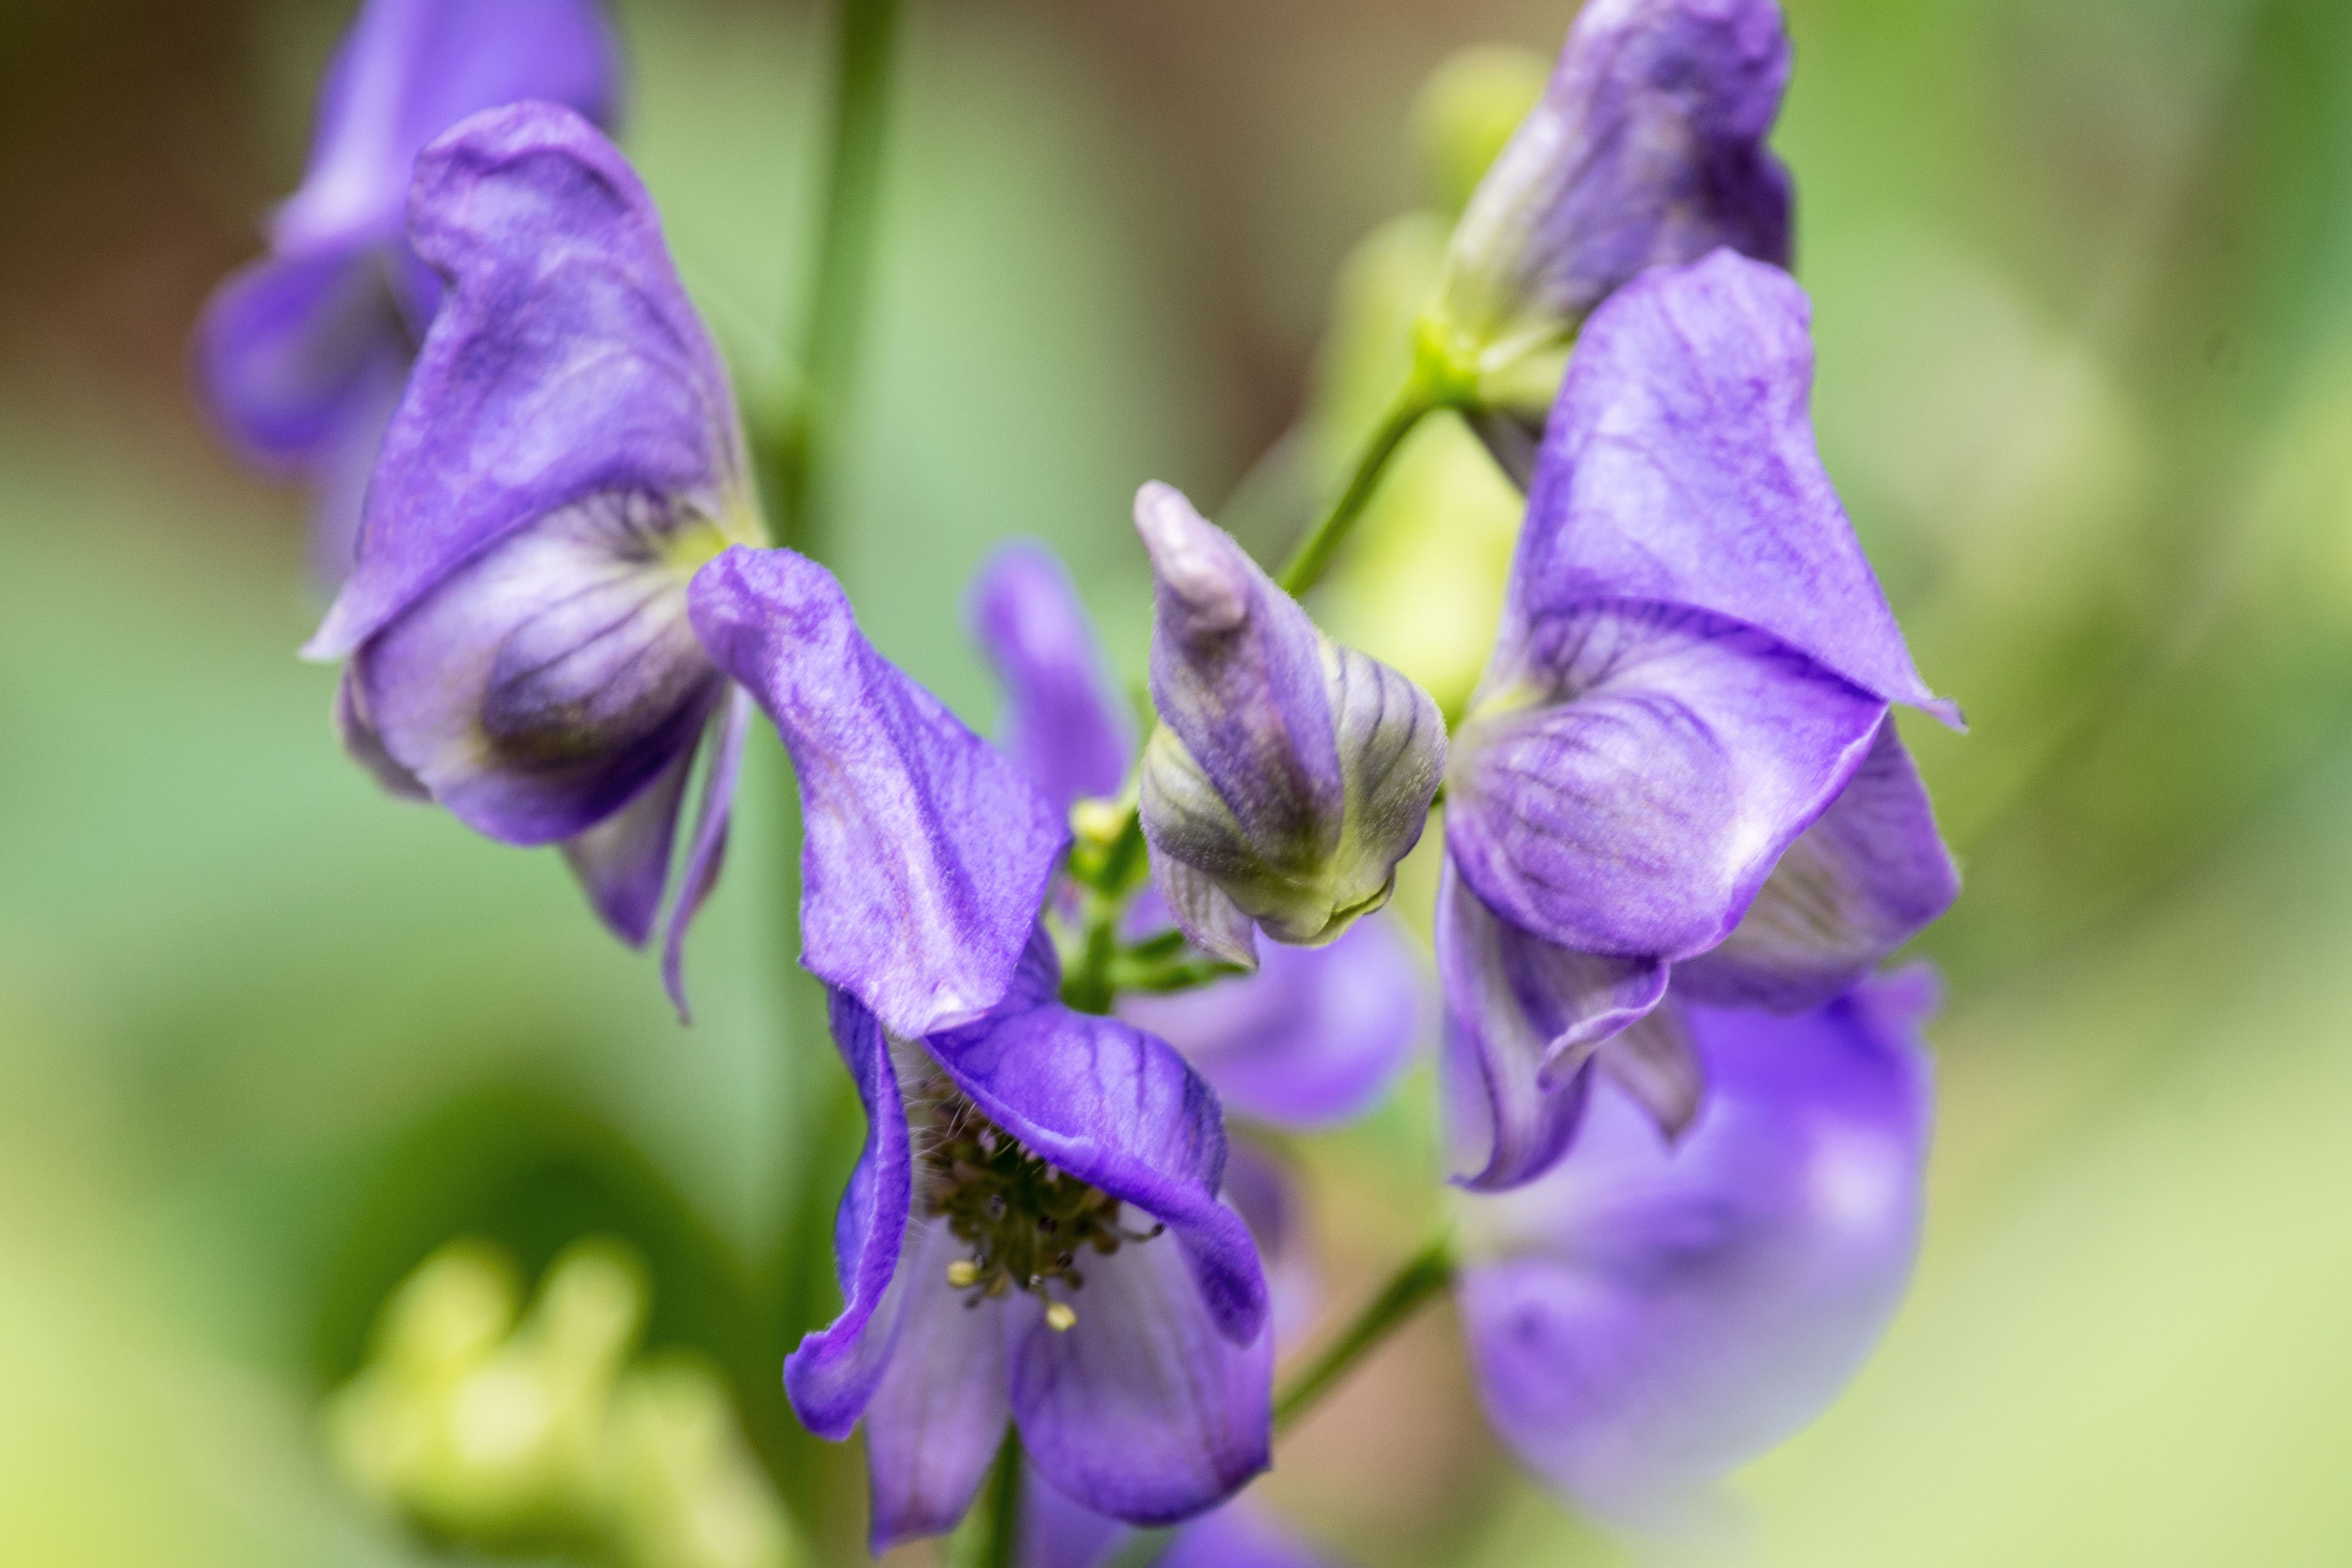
(928, 853)
(1065, 724)
(1646, 150)
(301, 354)
(1291, 773)
(1152, 1400)
(1649, 1317)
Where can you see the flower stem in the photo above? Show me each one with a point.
(995, 1532)
(867, 33)
(1423, 1275)
(1316, 552)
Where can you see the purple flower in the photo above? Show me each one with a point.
(928, 853)
(1288, 774)
(303, 353)
(566, 457)
(1648, 148)
(1034, 1235)
(1317, 1035)
(1681, 759)
(1650, 1315)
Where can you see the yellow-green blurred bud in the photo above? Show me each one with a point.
(684, 1491)
(1467, 110)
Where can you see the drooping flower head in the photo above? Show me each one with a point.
(1033, 1236)
(1650, 1316)
(303, 353)
(1288, 774)
(1317, 1035)
(1681, 761)
(1648, 148)
(566, 455)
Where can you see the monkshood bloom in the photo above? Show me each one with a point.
(1650, 1315)
(1648, 148)
(303, 353)
(1315, 1037)
(1681, 761)
(1034, 1235)
(566, 455)
(1288, 774)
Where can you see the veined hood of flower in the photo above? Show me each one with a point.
(1025, 1224)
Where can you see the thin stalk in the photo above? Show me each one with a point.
(995, 1530)
(1316, 552)
(1413, 1286)
(865, 42)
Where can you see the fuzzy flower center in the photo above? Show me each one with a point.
(1027, 1224)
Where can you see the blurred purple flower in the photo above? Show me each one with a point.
(1288, 774)
(992, 1272)
(566, 455)
(1650, 1315)
(928, 853)
(303, 353)
(1317, 1035)
(1681, 759)
(1648, 148)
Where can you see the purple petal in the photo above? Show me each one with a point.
(565, 364)
(1654, 1060)
(356, 728)
(1262, 1187)
(832, 1377)
(408, 71)
(1522, 1020)
(1646, 1319)
(340, 469)
(544, 685)
(1145, 1409)
(1679, 468)
(928, 854)
(940, 1414)
(293, 350)
(1064, 723)
(1661, 762)
(709, 846)
(1315, 1037)
(1241, 1535)
(1056, 1532)
(1862, 882)
(624, 860)
(1121, 1110)
(1648, 148)
(1292, 773)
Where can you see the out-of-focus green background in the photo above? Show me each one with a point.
(2082, 276)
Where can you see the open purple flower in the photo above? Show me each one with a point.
(928, 853)
(1034, 1235)
(1681, 759)
(1648, 148)
(566, 455)
(1650, 1315)
(1288, 774)
(1317, 1035)
(303, 353)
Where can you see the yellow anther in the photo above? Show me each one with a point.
(964, 1274)
(1059, 1318)
(1097, 820)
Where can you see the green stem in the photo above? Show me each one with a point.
(1420, 1281)
(865, 42)
(1316, 552)
(995, 1534)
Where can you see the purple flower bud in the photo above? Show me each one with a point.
(303, 353)
(928, 853)
(1650, 1316)
(566, 455)
(1681, 759)
(1648, 148)
(1033, 1233)
(1065, 724)
(1288, 774)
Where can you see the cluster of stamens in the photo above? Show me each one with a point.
(1026, 1223)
